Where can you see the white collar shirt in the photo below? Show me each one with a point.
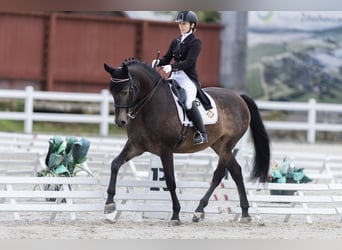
(185, 36)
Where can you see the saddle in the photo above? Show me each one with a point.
(205, 103)
(179, 92)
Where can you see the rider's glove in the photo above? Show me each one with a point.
(167, 68)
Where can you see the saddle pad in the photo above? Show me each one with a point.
(209, 116)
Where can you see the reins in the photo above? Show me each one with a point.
(134, 109)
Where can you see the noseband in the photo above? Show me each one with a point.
(134, 109)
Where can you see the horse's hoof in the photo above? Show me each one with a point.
(110, 208)
(198, 216)
(174, 223)
(245, 219)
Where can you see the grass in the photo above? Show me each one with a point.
(16, 105)
(12, 105)
(59, 128)
(11, 126)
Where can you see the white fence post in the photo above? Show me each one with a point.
(311, 134)
(104, 112)
(28, 110)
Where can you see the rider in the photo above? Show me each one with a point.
(185, 50)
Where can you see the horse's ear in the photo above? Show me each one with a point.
(124, 69)
(109, 69)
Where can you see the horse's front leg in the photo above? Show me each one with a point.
(127, 153)
(167, 161)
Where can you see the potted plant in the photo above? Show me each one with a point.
(64, 159)
(286, 172)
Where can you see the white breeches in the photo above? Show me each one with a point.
(188, 85)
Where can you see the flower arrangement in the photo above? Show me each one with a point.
(64, 157)
(286, 172)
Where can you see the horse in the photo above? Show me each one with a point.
(144, 105)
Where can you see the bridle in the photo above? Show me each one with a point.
(129, 104)
(134, 109)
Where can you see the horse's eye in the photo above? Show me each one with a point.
(125, 92)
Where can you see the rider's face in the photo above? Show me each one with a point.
(184, 27)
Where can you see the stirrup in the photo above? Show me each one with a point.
(200, 138)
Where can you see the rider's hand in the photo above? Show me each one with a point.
(155, 63)
(167, 68)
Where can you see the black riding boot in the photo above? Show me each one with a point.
(200, 136)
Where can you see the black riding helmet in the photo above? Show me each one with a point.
(187, 16)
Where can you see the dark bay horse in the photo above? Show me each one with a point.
(145, 106)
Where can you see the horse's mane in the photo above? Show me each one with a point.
(144, 65)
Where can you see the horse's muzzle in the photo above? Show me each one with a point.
(121, 123)
(121, 118)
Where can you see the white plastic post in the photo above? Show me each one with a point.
(104, 112)
(157, 174)
(311, 135)
(28, 110)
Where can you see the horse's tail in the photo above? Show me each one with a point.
(261, 142)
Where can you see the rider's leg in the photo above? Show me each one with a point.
(192, 111)
(200, 136)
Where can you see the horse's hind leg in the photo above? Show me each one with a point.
(235, 171)
(226, 161)
(216, 180)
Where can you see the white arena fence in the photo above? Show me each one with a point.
(143, 194)
(311, 125)
(21, 197)
(29, 116)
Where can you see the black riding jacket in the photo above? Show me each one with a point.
(184, 54)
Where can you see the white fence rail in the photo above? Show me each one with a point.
(29, 116)
(311, 125)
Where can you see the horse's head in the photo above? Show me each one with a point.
(121, 86)
(132, 85)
